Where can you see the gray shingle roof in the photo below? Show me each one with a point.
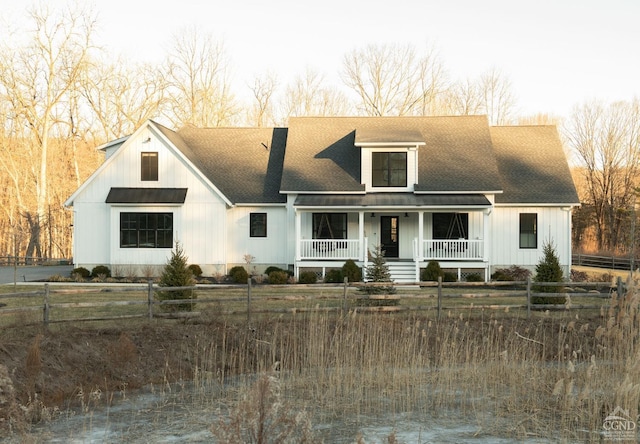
(461, 154)
(533, 166)
(245, 164)
(322, 156)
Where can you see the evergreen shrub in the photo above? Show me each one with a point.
(351, 271)
(308, 277)
(238, 274)
(101, 270)
(278, 277)
(432, 272)
(81, 272)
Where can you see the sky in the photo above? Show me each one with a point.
(556, 53)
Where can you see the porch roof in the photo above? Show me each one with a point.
(394, 200)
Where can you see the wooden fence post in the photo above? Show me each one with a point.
(620, 288)
(150, 298)
(344, 295)
(46, 305)
(528, 297)
(249, 301)
(439, 296)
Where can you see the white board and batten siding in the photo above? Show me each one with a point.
(554, 224)
(199, 224)
(266, 251)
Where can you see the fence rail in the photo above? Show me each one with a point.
(337, 297)
(6, 261)
(609, 262)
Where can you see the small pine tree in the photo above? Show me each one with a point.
(548, 270)
(378, 271)
(176, 273)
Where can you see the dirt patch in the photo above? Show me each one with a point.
(61, 367)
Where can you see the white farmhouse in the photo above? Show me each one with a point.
(327, 189)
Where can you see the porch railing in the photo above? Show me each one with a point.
(330, 249)
(469, 249)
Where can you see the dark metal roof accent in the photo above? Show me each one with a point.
(373, 200)
(147, 195)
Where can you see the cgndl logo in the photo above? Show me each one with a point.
(619, 426)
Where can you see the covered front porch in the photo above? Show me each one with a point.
(454, 235)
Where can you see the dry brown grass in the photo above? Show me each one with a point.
(553, 378)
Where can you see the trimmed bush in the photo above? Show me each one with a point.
(81, 272)
(238, 274)
(195, 269)
(334, 276)
(278, 277)
(449, 276)
(474, 277)
(308, 277)
(101, 270)
(513, 273)
(432, 272)
(272, 268)
(351, 271)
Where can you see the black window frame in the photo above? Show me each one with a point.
(528, 230)
(336, 228)
(389, 169)
(258, 225)
(450, 226)
(146, 230)
(149, 166)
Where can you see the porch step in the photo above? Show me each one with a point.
(402, 272)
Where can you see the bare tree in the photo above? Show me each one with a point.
(198, 81)
(498, 100)
(463, 98)
(392, 79)
(36, 80)
(263, 89)
(308, 95)
(606, 141)
(121, 96)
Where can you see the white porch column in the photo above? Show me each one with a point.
(298, 231)
(486, 225)
(420, 235)
(361, 234)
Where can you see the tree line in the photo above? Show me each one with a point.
(61, 95)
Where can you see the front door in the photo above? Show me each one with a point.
(389, 240)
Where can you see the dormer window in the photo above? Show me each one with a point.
(389, 169)
(389, 159)
(149, 166)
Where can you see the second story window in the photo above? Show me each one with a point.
(149, 166)
(389, 169)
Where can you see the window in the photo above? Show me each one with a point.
(389, 169)
(329, 225)
(146, 230)
(528, 230)
(258, 225)
(149, 166)
(451, 225)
